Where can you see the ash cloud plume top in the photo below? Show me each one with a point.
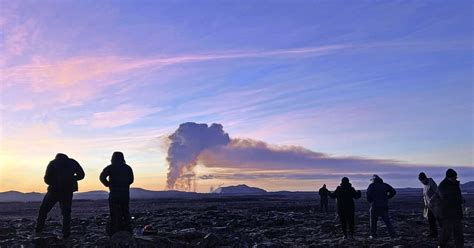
(186, 144)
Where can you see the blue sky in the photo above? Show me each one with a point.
(384, 80)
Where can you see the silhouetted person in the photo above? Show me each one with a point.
(378, 194)
(345, 195)
(451, 210)
(61, 175)
(432, 203)
(118, 176)
(323, 198)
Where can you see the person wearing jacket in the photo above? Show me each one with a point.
(432, 203)
(323, 198)
(118, 176)
(345, 195)
(451, 210)
(61, 177)
(378, 194)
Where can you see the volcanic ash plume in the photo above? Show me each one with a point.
(186, 144)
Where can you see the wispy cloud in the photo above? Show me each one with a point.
(121, 115)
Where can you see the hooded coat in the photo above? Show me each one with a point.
(62, 174)
(345, 195)
(451, 199)
(378, 194)
(118, 176)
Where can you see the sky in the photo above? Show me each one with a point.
(386, 83)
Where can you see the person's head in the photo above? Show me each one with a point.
(118, 158)
(423, 178)
(61, 156)
(451, 175)
(344, 180)
(324, 185)
(376, 179)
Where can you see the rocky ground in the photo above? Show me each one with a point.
(271, 221)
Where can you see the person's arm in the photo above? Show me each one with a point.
(369, 194)
(48, 176)
(391, 192)
(334, 194)
(79, 172)
(356, 194)
(103, 177)
(132, 178)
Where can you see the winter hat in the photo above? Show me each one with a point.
(422, 176)
(345, 180)
(374, 177)
(451, 173)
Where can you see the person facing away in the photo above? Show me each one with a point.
(432, 203)
(378, 194)
(451, 210)
(118, 176)
(345, 195)
(323, 198)
(61, 177)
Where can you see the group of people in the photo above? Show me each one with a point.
(61, 177)
(443, 206)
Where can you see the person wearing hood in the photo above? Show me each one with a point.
(323, 198)
(118, 176)
(61, 177)
(345, 195)
(378, 194)
(432, 203)
(451, 210)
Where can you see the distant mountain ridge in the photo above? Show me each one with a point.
(139, 193)
(239, 189)
(135, 193)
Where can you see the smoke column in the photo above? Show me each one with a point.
(186, 144)
(212, 147)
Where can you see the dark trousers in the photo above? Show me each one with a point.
(65, 202)
(375, 213)
(455, 227)
(119, 216)
(432, 222)
(347, 219)
(323, 205)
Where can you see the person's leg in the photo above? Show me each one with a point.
(48, 203)
(458, 234)
(446, 230)
(126, 216)
(343, 219)
(325, 205)
(115, 216)
(373, 222)
(350, 221)
(65, 203)
(432, 224)
(386, 220)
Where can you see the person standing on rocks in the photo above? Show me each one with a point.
(118, 177)
(61, 177)
(451, 210)
(432, 203)
(345, 195)
(378, 194)
(323, 198)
